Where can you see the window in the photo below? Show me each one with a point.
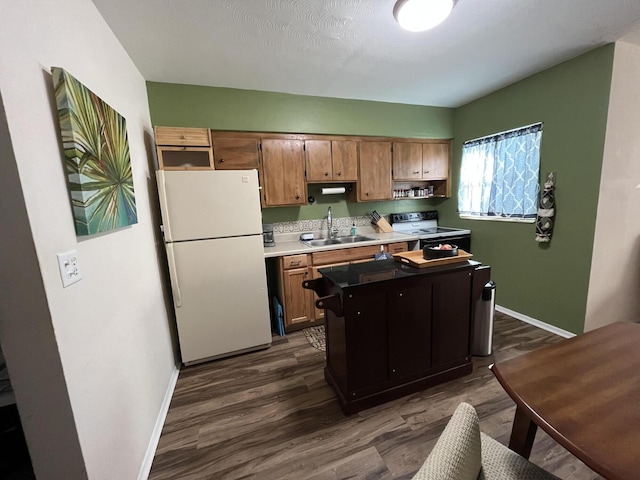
(499, 175)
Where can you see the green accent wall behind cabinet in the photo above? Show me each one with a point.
(548, 282)
(249, 110)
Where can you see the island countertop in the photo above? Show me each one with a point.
(355, 274)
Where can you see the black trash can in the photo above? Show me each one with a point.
(482, 343)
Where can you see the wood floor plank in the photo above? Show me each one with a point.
(271, 415)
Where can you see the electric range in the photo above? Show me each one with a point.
(425, 226)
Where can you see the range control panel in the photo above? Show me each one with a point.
(414, 217)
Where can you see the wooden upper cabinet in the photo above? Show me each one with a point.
(183, 148)
(318, 160)
(374, 171)
(345, 160)
(331, 160)
(283, 180)
(421, 161)
(407, 161)
(230, 153)
(193, 137)
(435, 160)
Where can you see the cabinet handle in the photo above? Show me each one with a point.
(221, 160)
(326, 174)
(295, 264)
(415, 173)
(297, 197)
(367, 194)
(339, 173)
(426, 171)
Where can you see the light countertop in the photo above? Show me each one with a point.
(290, 244)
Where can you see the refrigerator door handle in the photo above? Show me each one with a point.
(173, 275)
(164, 207)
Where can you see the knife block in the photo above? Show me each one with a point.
(383, 226)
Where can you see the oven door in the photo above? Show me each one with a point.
(462, 241)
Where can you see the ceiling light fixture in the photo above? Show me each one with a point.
(420, 15)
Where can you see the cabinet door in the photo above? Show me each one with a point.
(235, 153)
(435, 161)
(407, 161)
(184, 158)
(409, 329)
(296, 298)
(366, 339)
(344, 154)
(452, 317)
(374, 171)
(283, 173)
(318, 160)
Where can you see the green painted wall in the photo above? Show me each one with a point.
(548, 282)
(250, 110)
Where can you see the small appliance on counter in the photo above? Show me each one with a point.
(268, 240)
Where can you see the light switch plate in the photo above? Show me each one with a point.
(69, 268)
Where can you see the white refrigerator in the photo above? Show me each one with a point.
(213, 236)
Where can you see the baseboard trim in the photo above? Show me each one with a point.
(535, 323)
(145, 468)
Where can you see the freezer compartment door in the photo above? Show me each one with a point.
(220, 296)
(209, 204)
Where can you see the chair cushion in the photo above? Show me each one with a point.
(457, 453)
(500, 463)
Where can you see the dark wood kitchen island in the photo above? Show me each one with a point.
(393, 329)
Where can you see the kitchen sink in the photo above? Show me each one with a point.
(321, 242)
(353, 239)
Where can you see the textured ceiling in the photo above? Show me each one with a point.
(355, 49)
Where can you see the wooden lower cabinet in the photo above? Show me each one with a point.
(298, 303)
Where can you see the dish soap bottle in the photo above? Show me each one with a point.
(354, 229)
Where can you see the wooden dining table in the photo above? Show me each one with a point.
(585, 393)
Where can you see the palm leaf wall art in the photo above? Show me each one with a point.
(96, 149)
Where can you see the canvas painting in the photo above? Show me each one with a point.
(98, 165)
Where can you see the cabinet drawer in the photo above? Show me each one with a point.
(195, 137)
(397, 247)
(294, 261)
(344, 255)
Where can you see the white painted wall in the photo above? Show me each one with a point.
(98, 354)
(614, 284)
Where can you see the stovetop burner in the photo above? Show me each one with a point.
(423, 224)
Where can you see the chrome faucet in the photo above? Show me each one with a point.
(332, 234)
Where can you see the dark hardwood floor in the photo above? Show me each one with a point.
(271, 415)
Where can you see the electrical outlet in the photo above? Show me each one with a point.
(69, 268)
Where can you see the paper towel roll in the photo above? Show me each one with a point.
(333, 191)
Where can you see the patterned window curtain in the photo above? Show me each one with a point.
(499, 174)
